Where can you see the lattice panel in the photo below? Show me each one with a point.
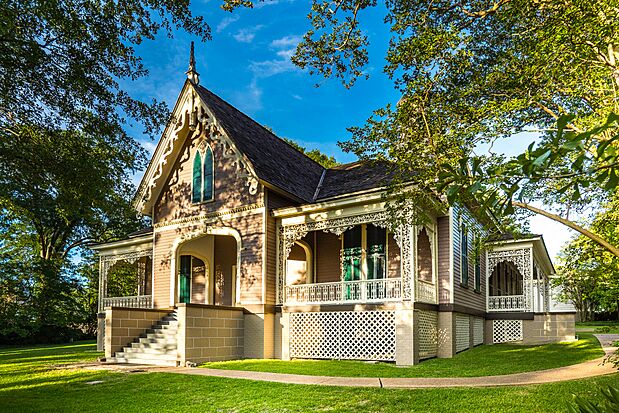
(504, 331)
(428, 334)
(353, 335)
(462, 332)
(478, 331)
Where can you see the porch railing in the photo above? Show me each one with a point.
(506, 303)
(426, 292)
(380, 290)
(136, 301)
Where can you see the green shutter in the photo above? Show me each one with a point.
(185, 279)
(207, 188)
(196, 193)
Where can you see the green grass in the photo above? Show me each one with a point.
(480, 361)
(598, 327)
(30, 382)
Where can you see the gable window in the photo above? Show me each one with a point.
(202, 181)
(464, 256)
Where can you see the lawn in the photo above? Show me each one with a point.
(30, 381)
(604, 327)
(480, 361)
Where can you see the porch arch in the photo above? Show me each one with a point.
(193, 235)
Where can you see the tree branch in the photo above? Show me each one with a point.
(594, 237)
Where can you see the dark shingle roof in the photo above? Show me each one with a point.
(281, 165)
(274, 160)
(355, 177)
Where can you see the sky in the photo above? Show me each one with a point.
(247, 63)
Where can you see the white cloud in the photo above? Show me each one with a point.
(225, 22)
(247, 34)
(284, 49)
(250, 99)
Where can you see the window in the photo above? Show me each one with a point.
(464, 256)
(477, 271)
(376, 240)
(202, 182)
(351, 255)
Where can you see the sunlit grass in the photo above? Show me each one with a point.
(31, 381)
(483, 360)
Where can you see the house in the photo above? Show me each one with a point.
(257, 251)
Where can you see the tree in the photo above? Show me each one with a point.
(325, 160)
(62, 64)
(477, 71)
(59, 191)
(588, 274)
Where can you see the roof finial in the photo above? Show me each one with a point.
(192, 74)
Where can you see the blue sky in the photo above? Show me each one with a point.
(247, 63)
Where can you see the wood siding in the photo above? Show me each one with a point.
(250, 229)
(393, 257)
(444, 246)
(327, 256)
(466, 295)
(230, 190)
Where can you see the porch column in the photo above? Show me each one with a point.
(406, 348)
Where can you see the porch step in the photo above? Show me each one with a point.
(156, 346)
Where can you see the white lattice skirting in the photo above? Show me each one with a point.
(478, 331)
(504, 331)
(428, 334)
(462, 332)
(353, 335)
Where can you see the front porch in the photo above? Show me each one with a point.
(355, 260)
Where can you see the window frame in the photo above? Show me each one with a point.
(202, 153)
(464, 256)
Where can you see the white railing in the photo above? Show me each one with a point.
(380, 290)
(136, 301)
(506, 303)
(426, 292)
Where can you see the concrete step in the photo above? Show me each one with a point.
(155, 342)
(150, 351)
(145, 356)
(153, 361)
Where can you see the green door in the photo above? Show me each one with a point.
(184, 293)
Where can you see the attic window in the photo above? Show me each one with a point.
(202, 182)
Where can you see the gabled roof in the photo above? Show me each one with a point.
(273, 159)
(354, 177)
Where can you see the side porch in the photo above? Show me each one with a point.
(519, 302)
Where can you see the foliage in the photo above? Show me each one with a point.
(471, 73)
(31, 381)
(610, 404)
(588, 274)
(63, 65)
(60, 191)
(325, 160)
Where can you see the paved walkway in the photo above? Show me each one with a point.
(590, 368)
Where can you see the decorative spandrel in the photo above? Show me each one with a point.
(521, 259)
(288, 234)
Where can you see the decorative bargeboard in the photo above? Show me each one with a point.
(352, 335)
(504, 331)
